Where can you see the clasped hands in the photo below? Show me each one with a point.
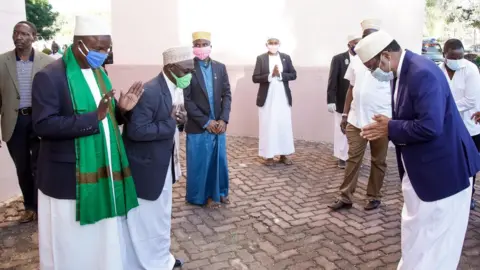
(217, 127)
(276, 72)
(376, 130)
(179, 114)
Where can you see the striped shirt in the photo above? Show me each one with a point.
(24, 77)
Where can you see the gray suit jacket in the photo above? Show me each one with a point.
(148, 135)
(9, 92)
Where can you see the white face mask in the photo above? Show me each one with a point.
(455, 64)
(273, 48)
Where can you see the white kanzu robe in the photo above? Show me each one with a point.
(63, 243)
(340, 143)
(275, 117)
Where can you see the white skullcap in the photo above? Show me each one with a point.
(178, 54)
(275, 36)
(91, 26)
(371, 24)
(352, 37)
(372, 45)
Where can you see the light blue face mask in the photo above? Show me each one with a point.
(383, 76)
(454, 64)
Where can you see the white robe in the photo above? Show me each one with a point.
(433, 232)
(149, 225)
(340, 143)
(63, 243)
(275, 118)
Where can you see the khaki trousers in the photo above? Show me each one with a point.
(356, 150)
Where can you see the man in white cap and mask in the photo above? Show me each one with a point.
(273, 72)
(150, 141)
(336, 93)
(365, 98)
(84, 180)
(436, 155)
(207, 101)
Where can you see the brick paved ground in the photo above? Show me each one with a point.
(278, 219)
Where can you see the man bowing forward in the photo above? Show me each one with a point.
(149, 138)
(436, 155)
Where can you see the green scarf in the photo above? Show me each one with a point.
(104, 189)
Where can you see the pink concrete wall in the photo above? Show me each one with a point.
(310, 119)
(311, 31)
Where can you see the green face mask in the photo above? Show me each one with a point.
(183, 82)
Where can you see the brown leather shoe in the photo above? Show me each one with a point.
(286, 160)
(28, 216)
(338, 204)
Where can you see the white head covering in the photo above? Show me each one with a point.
(273, 36)
(178, 54)
(91, 26)
(352, 37)
(371, 24)
(372, 45)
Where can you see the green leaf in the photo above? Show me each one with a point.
(40, 13)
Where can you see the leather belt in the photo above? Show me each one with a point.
(25, 111)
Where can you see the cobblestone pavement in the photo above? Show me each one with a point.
(278, 220)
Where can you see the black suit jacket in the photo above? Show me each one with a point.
(149, 138)
(337, 85)
(196, 98)
(55, 121)
(262, 70)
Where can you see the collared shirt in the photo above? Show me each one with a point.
(206, 68)
(24, 77)
(370, 96)
(465, 87)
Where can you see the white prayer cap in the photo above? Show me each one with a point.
(372, 45)
(273, 36)
(353, 37)
(371, 24)
(91, 26)
(178, 54)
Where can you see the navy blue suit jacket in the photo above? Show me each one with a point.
(148, 136)
(196, 98)
(57, 125)
(428, 132)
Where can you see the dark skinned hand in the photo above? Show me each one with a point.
(104, 104)
(181, 114)
(476, 117)
(212, 126)
(275, 72)
(221, 127)
(130, 99)
(343, 124)
(376, 130)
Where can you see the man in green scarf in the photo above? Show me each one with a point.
(84, 179)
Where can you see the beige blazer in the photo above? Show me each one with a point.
(9, 93)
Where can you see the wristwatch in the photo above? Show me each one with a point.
(344, 114)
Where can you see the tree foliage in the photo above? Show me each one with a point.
(468, 14)
(40, 13)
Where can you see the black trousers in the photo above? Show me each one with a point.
(476, 140)
(23, 148)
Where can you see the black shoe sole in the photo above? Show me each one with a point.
(344, 206)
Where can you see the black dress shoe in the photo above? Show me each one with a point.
(372, 204)
(338, 204)
(472, 204)
(341, 164)
(178, 263)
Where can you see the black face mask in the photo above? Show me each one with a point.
(352, 49)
